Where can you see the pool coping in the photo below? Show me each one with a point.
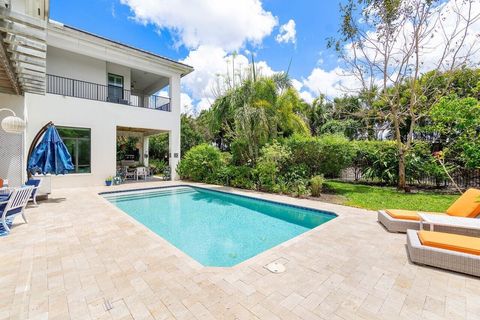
(225, 192)
(244, 263)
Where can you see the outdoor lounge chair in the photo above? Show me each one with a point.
(466, 206)
(35, 183)
(14, 205)
(446, 251)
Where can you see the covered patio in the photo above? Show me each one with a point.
(133, 161)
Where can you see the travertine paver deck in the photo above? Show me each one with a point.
(82, 258)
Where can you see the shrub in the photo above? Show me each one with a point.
(298, 188)
(239, 149)
(377, 160)
(304, 151)
(337, 153)
(421, 163)
(328, 154)
(270, 165)
(157, 166)
(242, 177)
(201, 163)
(316, 185)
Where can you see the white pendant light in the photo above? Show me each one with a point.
(13, 124)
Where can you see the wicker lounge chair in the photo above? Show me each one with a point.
(441, 258)
(13, 206)
(465, 206)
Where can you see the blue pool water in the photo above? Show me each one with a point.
(215, 228)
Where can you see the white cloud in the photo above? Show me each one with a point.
(307, 96)
(212, 66)
(203, 104)
(298, 85)
(186, 104)
(332, 83)
(287, 33)
(228, 24)
(439, 41)
(338, 81)
(264, 69)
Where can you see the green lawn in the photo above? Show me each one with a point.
(375, 198)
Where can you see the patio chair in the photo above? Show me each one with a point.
(14, 205)
(466, 206)
(131, 174)
(142, 172)
(35, 183)
(446, 251)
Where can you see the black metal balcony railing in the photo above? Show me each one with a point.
(94, 91)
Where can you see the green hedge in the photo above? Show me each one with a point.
(378, 161)
(288, 165)
(327, 155)
(201, 163)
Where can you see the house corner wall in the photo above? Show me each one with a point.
(174, 134)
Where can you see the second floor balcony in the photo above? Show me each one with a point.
(107, 93)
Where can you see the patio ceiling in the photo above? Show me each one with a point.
(23, 52)
(129, 131)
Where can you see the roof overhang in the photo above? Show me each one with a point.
(23, 53)
(88, 44)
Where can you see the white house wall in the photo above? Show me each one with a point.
(80, 43)
(102, 118)
(75, 66)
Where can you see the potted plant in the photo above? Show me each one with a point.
(108, 181)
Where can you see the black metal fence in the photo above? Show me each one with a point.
(464, 178)
(94, 91)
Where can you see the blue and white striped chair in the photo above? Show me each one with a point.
(35, 183)
(14, 205)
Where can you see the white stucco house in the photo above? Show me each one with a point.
(93, 89)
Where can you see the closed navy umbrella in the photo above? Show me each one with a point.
(50, 156)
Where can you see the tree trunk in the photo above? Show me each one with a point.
(402, 181)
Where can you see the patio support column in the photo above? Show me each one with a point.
(174, 134)
(146, 147)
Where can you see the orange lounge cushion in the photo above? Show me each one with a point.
(406, 214)
(448, 241)
(467, 205)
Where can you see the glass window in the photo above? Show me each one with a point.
(77, 141)
(115, 87)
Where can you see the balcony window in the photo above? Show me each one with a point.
(115, 87)
(78, 141)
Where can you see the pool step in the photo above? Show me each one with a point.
(144, 194)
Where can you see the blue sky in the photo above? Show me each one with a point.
(124, 21)
(204, 33)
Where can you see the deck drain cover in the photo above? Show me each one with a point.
(275, 267)
(107, 305)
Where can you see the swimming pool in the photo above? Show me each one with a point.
(215, 228)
